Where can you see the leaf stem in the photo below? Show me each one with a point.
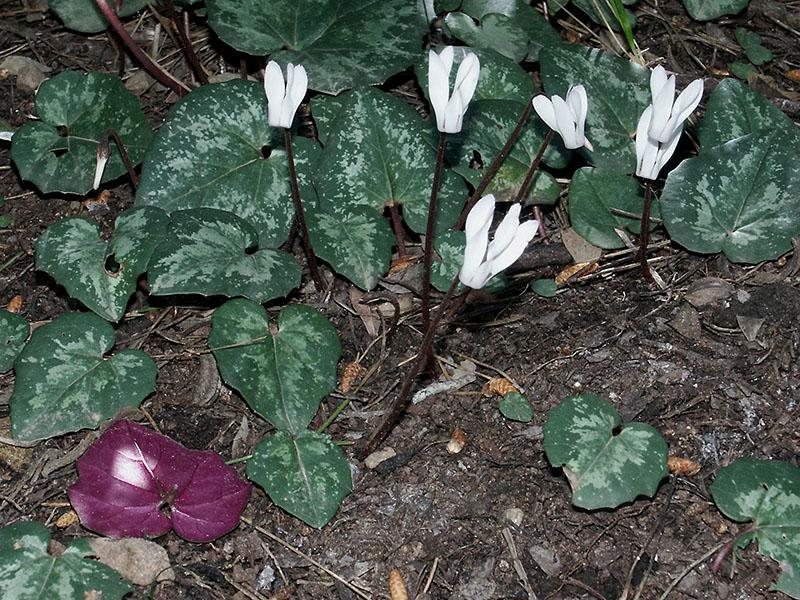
(494, 167)
(182, 29)
(644, 234)
(336, 412)
(397, 225)
(729, 546)
(526, 183)
(111, 134)
(152, 67)
(430, 232)
(300, 213)
(401, 402)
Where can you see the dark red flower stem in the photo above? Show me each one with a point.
(728, 548)
(401, 402)
(182, 29)
(526, 183)
(140, 55)
(397, 225)
(123, 154)
(300, 213)
(494, 167)
(644, 234)
(430, 232)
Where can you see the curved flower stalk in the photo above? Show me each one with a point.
(284, 97)
(566, 117)
(450, 109)
(483, 259)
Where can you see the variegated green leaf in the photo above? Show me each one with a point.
(377, 152)
(357, 243)
(282, 376)
(101, 274)
(741, 198)
(64, 382)
(14, 331)
(59, 151)
(215, 150)
(213, 252)
(766, 492)
(487, 126)
(84, 16)
(706, 10)
(596, 196)
(516, 407)
(618, 92)
(604, 468)
(511, 27)
(735, 110)
(341, 43)
(306, 475)
(29, 571)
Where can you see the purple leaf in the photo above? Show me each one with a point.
(134, 482)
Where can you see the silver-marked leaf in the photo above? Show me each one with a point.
(741, 198)
(766, 492)
(604, 468)
(357, 243)
(59, 151)
(213, 252)
(618, 92)
(101, 274)
(511, 27)
(377, 153)
(215, 150)
(450, 250)
(706, 10)
(487, 126)
(282, 376)
(28, 571)
(84, 16)
(734, 110)
(341, 43)
(14, 331)
(596, 198)
(306, 475)
(516, 407)
(64, 382)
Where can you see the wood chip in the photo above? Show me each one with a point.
(15, 304)
(498, 386)
(67, 519)
(458, 439)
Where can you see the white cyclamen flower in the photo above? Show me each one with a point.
(566, 117)
(283, 98)
(482, 259)
(661, 124)
(449, 110)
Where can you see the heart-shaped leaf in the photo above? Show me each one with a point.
(705, 10)
(596, 198)
(84, 16)
(30, 572)
(14, 331)
(618, 92)
(59, 151)
(546, 288)
(215, 150)
(101, 274)
(356, 243)
(341, 43)
(282, 376)
(306, 475)
(65, 383)
(766, 492)
(487, 126)
(751, 42)
(741, 198)
(516, 407)
(735, 110)
(213, 252)
(127, 476)
(511, 27)
(604, 468)
(395, 162)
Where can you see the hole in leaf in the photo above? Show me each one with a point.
(111, 266)
(476, 162)
(62, 131)
(617, 430)
(266, 152)
(251, 249)
(59, 151)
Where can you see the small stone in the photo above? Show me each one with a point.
(515, 515)
(377, 457)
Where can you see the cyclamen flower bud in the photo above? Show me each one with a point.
(450, 110)
(284, 98)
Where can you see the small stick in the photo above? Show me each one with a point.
(644, 234)
(152, 67)
(430, 232)
(182, 29)
(526, 183)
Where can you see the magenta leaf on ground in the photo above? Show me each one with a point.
(134, 482)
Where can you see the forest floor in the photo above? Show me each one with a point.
(495, 518)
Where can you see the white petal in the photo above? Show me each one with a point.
(662, 108)
(439, 66)
(469, 72)
(296, 87)
(100, 167)
(6, 135)
(476, 229)
(504, 234)
(684, 106)
(658, 77)
(666, 150)
(525, 233)
(275, 88)
(566, 125)
(476, 279)
(577, 102)
(646, 149)
(453, 115)
(544, 108)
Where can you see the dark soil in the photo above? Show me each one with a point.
(494, 518)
